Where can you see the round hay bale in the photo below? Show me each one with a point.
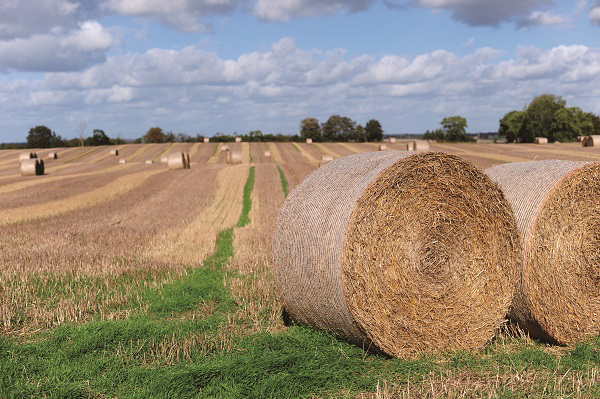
(40, 168)
(410, 146)
(405, 252)
(188, 164)
(267, 154)
(238, 139)
(164, 159)
(149, 162)
(325, 158)
(122, 160)
(206, 140)
(114, 152)
(30, 167)
(309, 141)
(541, 140)
(234, 156)
(392, 140)
(176, 160)
(557, 209)
(53, 155)
(382, 147)
(592, 141)
(34, 155)
(224, 147)
(420, 145)
(25, 155)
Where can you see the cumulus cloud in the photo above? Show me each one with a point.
(283, 10)
(58, 50)
(594, 14)
(542, 18)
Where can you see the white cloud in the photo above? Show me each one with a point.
(284, 10)
(543, 18)
(57, 51)
(594, 15)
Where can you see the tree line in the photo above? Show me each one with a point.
(340, 128)
(548, 116)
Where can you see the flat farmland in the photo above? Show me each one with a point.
(134, 280)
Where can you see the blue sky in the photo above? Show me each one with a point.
(207, 66)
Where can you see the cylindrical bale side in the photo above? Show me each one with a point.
(557, 208)
(176, 160)
(234, 156)
(592, 141)
(25, 155)
(421, 145)
(309, 141)
(392, 140)
(238, 139)
(541, 140)
(122, 160)
(53, 155)
(382, 147)
(149, 162)
(29, 167)
(206, 140)
(267, 154)
(114, 152)
(409, 253)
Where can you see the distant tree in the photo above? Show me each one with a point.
(255, 135)
(360, 134)
(510, 125)
(373, 130)
(539, 116)
(39, 137)
(169, 137)
(57, 141)
(568, 123)
(98, 138)
(595, 122)
(437, 135)
(310, 129)
(454, 128)
(154, 135)
(338, 128)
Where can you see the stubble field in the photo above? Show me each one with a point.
(133, 280)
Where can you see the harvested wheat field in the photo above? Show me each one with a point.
(136, 280)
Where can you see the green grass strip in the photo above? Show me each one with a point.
(296, 147)
(250, 144)
(247, 202)
(215, 151)
(283, 180)
(167, 148)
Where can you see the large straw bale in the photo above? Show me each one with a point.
(592, 141)
(267, 154)
(325, 159)
(405, 252)
(234, 156)
(541, 140)
(206, 140)
(382, 147)
(392, 140)
(122, 160)
(238, 139)
(32, 167)
(114, 152)
(410, 146)
(557, 208)
(309, 141)
(421, 145)
(176, 160)
(26, 155)
(53, 155)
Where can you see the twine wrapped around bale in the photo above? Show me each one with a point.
(267, 154)
(382, 147)
(238, 139)
(557, 208)
(541, 140)
(176, 160)
(234, 156)
(421, 145)
(114, 152)
(592, 141)
(53, 155)
(309, 141)
(405, 252)
(206, 140)
(32, 167)
(392, 140)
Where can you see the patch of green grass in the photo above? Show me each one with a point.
(283, 180)
(296, 147)
(247, 201)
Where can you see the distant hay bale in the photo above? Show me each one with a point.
(26, 155)
(114, 152)
(164, 159)
(34, 155)
(309, 141)
(592, 141)
(32, 167)
(267, 154)
(557, 209)
(420, 145)
(176, 160)
(382, 256)
(53, 155)
(206, 140)
(224, 147)
(382, 147)
(122, 160)
(410, 146)
(325, 159)
(149, 162)
(234, 156)
(392, 140)
(541, 140)
(238, 139)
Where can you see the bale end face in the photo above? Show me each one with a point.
(176, 160)
(206, 140)
(541, 140)
(382, 147)
(309, 141)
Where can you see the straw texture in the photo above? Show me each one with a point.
(176, 160)
(541, 140)
(557, 208)
(406, 252)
